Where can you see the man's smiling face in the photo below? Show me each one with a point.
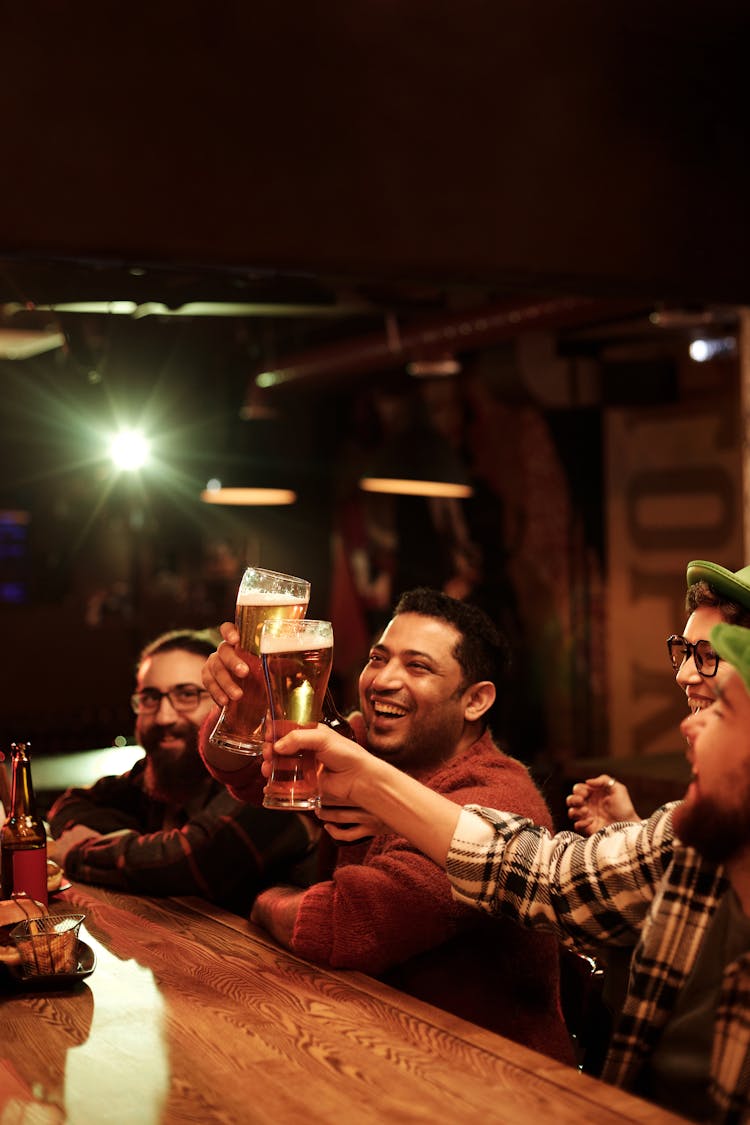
(412, 693)
(697, 628)
(174, 768)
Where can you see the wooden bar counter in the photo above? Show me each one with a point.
(193, 1015)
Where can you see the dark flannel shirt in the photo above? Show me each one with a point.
(633, 885)
(225, 851)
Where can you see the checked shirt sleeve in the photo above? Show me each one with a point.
(588, 890)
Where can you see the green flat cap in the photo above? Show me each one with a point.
(733, 585)
(732, 643)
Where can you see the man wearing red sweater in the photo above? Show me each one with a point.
(386, 910)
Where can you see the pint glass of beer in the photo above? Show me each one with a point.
(263, 596)
(297, 658)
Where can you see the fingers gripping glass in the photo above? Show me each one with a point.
(705, 656)
(183, 697)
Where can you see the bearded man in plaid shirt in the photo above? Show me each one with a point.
(674, 888)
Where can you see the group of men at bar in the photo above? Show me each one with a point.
(436, 868)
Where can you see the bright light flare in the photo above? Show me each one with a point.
(129, 450)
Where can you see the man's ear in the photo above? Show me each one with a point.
(479, 699)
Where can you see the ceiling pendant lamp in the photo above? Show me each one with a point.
(246, 495)
(418, 462)
(255, 471)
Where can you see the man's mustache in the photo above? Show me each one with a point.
(151, 738)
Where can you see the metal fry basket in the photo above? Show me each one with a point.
(48, 945)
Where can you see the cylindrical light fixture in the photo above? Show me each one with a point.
(216, 493)
(254, 469)
(418, 462)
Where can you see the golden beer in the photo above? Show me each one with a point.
(253, 610)
(263, 596)
(297, 659)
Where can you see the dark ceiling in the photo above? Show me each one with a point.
(371, 168)
(552, 145)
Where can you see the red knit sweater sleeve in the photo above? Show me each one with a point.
(246, 783)
(386, 901)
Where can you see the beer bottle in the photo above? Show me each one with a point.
(4, 790)
(23, 841)
(334, 720)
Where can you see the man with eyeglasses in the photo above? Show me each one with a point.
(714, 595)
(167, 827)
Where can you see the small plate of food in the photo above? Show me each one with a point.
(56, 880)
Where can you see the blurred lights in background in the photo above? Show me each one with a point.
(701, 350)
(396, 486)
(14, 556)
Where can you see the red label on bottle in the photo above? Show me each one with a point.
(30, 873)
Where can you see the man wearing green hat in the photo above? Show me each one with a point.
(714, 595)
(674, 889)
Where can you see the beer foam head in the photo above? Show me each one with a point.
(290, 640)
(261, 597)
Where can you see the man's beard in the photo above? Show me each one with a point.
(171, 776)
(716, 833)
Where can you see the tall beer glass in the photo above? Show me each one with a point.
(297, 658)
(263, 596)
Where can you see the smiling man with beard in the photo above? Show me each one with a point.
(714, 817)
(425, 694)
(167, 827)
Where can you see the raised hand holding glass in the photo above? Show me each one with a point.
(264, 595)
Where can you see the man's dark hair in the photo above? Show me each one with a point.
(482, 651)
(702, 593)
(201, 642)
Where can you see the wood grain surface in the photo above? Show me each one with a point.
(194, 1015)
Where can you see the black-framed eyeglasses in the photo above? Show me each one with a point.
(703, 653)
(183, 697)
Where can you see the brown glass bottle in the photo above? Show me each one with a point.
(334, 720)
(23, 841)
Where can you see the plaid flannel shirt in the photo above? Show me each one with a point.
(223, 850)
(633, 885)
